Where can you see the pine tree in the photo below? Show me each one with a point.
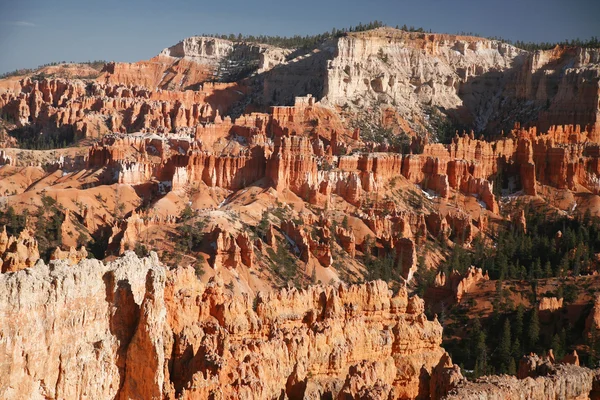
(504, 347)
(548, 270)
(533, 330)
(593, 342)
(345, 222)
(563, 341)
(518, 325)
(478, 344)
(512, 367)
(516, 349)
(556, 347)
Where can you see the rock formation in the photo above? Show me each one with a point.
(132, 329)
(454, 287)
(538, 378)
(550, 304)
(271, 149)
(19, 252)
(567, 382)
(73, 255)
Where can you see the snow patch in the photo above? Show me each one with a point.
(224, 202)
(292, 243)
(430, 194)
(164, 187)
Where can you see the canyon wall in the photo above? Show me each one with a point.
(194, 61)
(133, 329)
(466, 77)
(364, 75)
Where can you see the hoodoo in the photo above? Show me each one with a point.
(367, 213)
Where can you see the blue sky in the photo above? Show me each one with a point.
(34, 32)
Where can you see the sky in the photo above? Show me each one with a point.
(35, 32)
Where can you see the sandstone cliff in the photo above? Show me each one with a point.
(132, 329)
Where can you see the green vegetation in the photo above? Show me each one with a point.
(382, 135)
(311, 41)
(187, 241)
(284, 264)
(592, 43)
(539, 253)
(496, 345)
(443, 126)
(199, 267)
(13, 222)
(189, 232)
(297, 41)
(96, 64)
(49, 219)
(382, 56)
(384, 268)
(263, 225)
(29, 137)
(141, 250)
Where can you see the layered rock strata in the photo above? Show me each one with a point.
(132, 329)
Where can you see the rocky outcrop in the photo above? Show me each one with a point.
(145, 362)
(383, 68)
(132, 329)
(73, 256)
(133, 229)
(309, 244)
(66, 329)
(550, 304)
(537, 378)
(563, 157)
(347, 240)
(312, 374)
(445, 376)
(96, 109)
(571, 358)
(19, 252)
(195, 143)
(194, 61)
(533, 366)
(455, 286)
(230, 250)
(566, 382)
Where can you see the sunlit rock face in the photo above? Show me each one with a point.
(133, 329)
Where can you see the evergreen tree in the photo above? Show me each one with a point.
(516, 349)
(548, 269)
(512, 367)
(563, 342)
(478, 344)
(533, 330)
(556, 347)
(593, 343)
(505, 347)
(518, 325)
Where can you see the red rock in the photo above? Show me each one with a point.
(18, 252)
(550, 304)
(406, 255)
(73, 256)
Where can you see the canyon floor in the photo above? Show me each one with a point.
(380, 215)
